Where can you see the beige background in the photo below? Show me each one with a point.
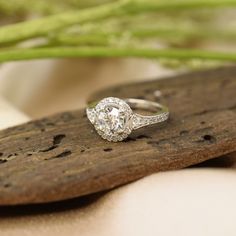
(47, 86)
(197, 201)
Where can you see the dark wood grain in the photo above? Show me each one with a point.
(61, 156)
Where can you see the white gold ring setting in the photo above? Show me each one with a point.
(114, 119)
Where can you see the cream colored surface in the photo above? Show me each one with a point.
(180, 203)
(186, 202)
(10, 116)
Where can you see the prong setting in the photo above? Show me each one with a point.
(112, 119)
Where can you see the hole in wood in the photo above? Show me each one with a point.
(209, 138)
(12, 154)
(48, 149)
(64, 154)
(61, 155)
(7, 185)
(143, 136)
(107, 149)
(58, 138)
(2, 161)
(56, 141)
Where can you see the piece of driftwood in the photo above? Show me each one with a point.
(61, 156)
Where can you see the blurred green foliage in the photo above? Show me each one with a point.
(181, 32)
(11, 8)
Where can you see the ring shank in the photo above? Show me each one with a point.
(161, 113)
(146, 105)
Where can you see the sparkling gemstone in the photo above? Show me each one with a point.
(111, 120)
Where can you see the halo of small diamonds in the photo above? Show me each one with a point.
(112, 119)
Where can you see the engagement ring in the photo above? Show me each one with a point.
(114, 119)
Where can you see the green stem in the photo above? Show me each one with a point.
(13, 7)
(171, 33)
(83, 39)
(46, 25)
(104, 39)
(98, 52)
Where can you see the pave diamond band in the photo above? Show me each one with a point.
(161, 112)
(114, 119)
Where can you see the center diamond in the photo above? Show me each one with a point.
(111, 120)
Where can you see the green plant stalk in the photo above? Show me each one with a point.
(83, 39)
(184, 33)
(12, 7)
(101, 52)
(108, 38)
(45, 26)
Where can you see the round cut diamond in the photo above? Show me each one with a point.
(113, 119)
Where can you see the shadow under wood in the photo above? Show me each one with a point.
(227, 161)
(60, 206)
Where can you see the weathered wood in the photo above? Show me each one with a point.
(62, 157)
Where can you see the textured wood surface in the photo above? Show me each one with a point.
(61, 157)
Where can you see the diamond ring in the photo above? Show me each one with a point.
(114, 119)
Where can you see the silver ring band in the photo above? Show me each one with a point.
(114, 119)
(161, 112)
